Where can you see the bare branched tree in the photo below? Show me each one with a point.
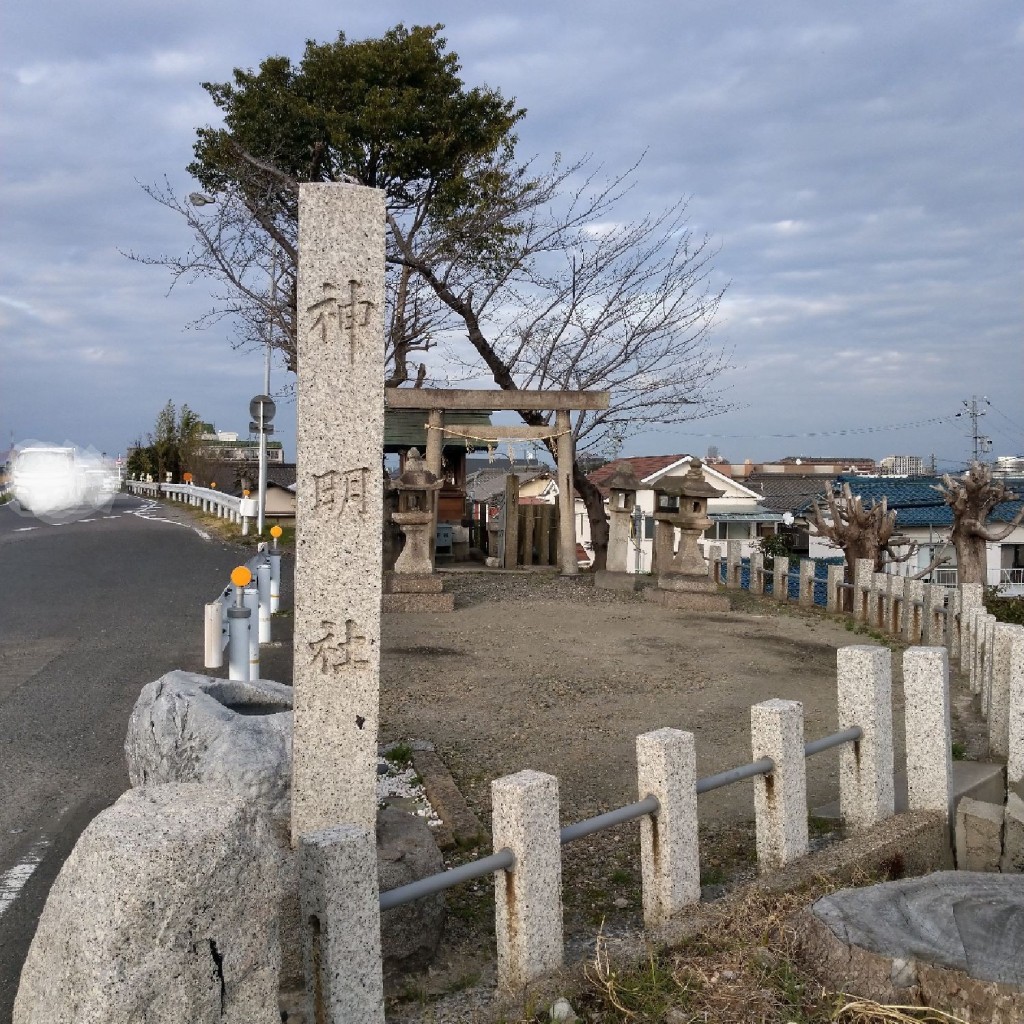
(577, 299)
(859, 530)
(972, 498)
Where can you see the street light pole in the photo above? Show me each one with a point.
(262, 502)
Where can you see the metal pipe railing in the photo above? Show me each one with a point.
(649, 805)
(503, 860)
(747, 771)
(836, 739)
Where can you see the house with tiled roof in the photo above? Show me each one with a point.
(739, 514)
(923, 517)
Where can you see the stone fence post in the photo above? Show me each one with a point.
(972, 595)
(807, 568)
(834, 597)
(714, 561)
(912, 620)
(878, 610)
(669, 858)
(756, 572)
(528, 898)
(780, 799)
(865, 768)
(864, 569)
(954, 636)
(780, 578)
(341, 926)
(734, 562)
(929, 750)
(1005, 636)
(1015, 719)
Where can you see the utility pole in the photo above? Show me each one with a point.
(981, 443)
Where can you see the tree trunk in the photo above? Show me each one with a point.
(971, 560)
(594, 502)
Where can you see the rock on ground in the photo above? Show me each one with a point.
(187, 727)
(952, 940)
(164, 912)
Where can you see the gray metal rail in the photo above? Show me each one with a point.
(649, 805)
(836, 739)
(747, 771)
(504, 860)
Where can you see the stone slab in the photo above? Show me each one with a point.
(948, 918)
(679, 582)
(606, 580)
(165, 911)
(951, 941)
(410, 583)
(979, 835)
(688, 602)
(339, 503)
(461, 827)
(418, 603)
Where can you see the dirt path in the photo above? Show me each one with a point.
(535, 671)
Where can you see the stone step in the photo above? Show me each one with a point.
(980, 780)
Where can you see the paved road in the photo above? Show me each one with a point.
(89, 613)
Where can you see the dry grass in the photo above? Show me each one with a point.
(741, 968)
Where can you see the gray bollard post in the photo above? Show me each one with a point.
(239, 628)
(238, 643)
(263, 587)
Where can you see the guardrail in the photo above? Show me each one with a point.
(917, 612)
(209, 499)
(650, 806)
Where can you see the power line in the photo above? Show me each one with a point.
(834, 433)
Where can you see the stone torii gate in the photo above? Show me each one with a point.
(435, 401)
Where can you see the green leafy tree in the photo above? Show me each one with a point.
(175, 446)
(389, 113)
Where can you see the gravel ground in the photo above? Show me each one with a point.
(536, 671)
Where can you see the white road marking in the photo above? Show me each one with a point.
(13, 880)
(24, 529)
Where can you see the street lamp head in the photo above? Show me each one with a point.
(198, 199)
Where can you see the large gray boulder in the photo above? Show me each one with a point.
(164, 912)
(187, 727)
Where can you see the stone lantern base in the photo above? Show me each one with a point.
(689, 593)
(415, 592)
(605, 579)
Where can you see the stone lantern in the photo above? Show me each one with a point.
(682, 503)
(623, 487)
(417, 488)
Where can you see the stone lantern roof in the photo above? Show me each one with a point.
(416, 476)
(624, 479)
(692, 485)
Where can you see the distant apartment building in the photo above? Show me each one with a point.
(225, 446)
(1009, 465)
(902, 465)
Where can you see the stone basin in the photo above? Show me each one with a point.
(187, 727)
(952, 940)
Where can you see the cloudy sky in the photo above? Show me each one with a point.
(858, 164)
